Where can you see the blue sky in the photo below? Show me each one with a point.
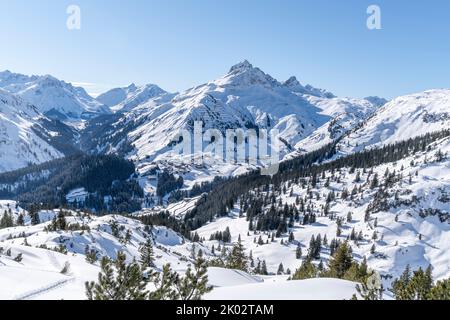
(181, 43)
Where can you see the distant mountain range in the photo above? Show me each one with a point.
(140, 122)
(370, 173)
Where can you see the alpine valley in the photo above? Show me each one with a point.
(94, 194)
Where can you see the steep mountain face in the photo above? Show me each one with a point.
(245, 97)
(26, 136)
(400, 119)
(345, 114)
(117, 95)
(377, 101)
(125, 99)
(293, 84)
(52, 97)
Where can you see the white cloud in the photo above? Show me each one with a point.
(93, 89)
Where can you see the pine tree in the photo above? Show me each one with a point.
(349, 217)
(367, 216)
(338, 231)
(6, 221)
(291, 237)
(258, 268)
(237, 258)
(260, 241)
(90, 255)
(280, 269)
(18, 258)
(118, 281)
(441, 291)
(417, 286)
(264, 268)
(399, 286)
(35, 220)
(307, 270)
(164, 282)
(195, 283)
(20, 220)
(374, 183)
(298, 252)
(421, 284)
(341, 261)
(147, 258)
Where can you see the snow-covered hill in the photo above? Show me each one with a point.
(345, 114)
(400, 119)
(24, 139)
(394, 214)
(55, 98)
(45, 253)
(311, 289)
(125, 99)
(53, 265)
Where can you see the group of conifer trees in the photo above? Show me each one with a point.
(119, 280)
(225, 194)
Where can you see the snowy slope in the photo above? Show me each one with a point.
(345, 114)
(125, 99)
(53, 97)
(414, 227)
(402, 118)
(238, 285)
(20, 143)
(38, 276)
(311, 289)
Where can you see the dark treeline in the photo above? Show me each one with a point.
(29, 173)
(167, 182)
(197, 189)
(101, 176)
(224, 196)
(164, 218)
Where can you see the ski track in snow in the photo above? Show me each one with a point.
(35, 293)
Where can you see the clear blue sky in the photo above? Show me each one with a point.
(179, 44)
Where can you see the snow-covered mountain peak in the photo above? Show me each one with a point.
(245, 74)
(9, 80)
(14, 104)
(53, 97)
(125, 99)
(245, 97)
(23, 138)
(241, 66)
(291, 82)
(377, 101)
(132, 87)
(401, 119)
